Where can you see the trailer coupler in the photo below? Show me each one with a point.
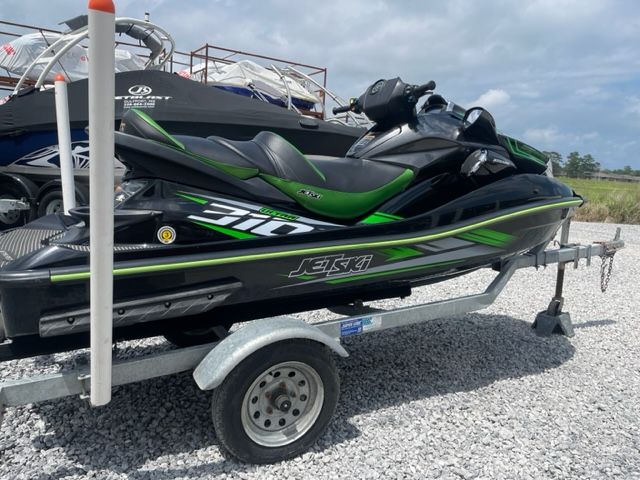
(553, 319)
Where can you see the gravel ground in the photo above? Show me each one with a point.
(477, 396)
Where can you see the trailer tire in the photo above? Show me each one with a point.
(277, 402)
(50, 203)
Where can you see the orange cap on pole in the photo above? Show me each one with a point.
(102, 5)
(60, 78)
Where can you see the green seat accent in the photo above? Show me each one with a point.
(380, 217)
(162, 131)
(342, 205)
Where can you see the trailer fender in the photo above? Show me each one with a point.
(25, 185)
(233, 349)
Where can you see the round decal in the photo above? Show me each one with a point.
(140, 90)
(166, 235)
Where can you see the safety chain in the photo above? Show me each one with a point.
(606, 267)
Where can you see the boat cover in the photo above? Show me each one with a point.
(245, 74)
(181, 106)
(17, 55)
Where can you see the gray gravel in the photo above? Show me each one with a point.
(478, 396)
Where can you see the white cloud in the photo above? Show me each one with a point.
(634, 105)
(491, 99)
(539, 63)
(547, 135)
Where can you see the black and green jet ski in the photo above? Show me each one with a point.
(211, 231)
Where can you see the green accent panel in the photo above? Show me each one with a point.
(340, 204)
(525, 151)
(155, 125)
(409, 240)
(398, 253)
(388, 215)
(380, 217)
(193, 198)
(488, 237)
(305, 277)
(364, 276)
(278, 213)
(226, 231)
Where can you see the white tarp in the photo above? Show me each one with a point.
(16, 56)
(246, 73)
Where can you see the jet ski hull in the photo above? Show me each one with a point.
(242, 279)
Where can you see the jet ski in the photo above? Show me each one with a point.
(212, 231)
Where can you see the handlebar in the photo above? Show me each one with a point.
(342, 109)
(422, 89)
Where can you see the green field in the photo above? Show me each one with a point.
(607, 201)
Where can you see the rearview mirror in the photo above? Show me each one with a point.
(478, 124)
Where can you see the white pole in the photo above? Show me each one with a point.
(64, 145)
(101, 126)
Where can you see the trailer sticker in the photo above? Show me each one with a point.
(359, 325)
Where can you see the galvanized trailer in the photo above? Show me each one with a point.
(274, 381)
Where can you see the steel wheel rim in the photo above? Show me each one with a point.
(293, 382)
(54, 206)
(9, 218)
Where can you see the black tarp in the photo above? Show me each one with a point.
(181, 106)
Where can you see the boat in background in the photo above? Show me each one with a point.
(29, 162)
(249, 79)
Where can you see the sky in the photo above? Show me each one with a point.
(562, 75)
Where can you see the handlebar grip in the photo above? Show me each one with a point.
(419, 91)
(343, 109)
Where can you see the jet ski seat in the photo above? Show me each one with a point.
(343, 188)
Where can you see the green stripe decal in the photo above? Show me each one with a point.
(488, 237)
(380, 217)
(193, 198)
(526, 151)
(121, 271)
(398, 253)
(364, 276)
(305, 277)
(226, 231)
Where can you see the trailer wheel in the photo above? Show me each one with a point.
(14, 218)
(277, 402)
(50, 203)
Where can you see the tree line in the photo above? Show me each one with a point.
(582, 166)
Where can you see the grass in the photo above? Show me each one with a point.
(607, 201)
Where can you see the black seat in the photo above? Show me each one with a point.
(333, 187)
